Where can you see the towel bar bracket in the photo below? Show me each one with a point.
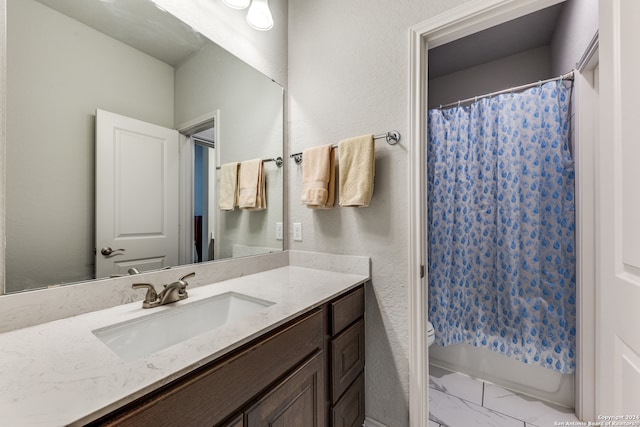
(392, 137)
(297, 157)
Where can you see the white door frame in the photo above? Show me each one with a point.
(186, 181)
(586, 96)
(458, 22)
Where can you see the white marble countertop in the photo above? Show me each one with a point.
(59, 373)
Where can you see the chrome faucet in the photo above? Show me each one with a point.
(172, 292)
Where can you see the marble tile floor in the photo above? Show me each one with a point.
(457, 400)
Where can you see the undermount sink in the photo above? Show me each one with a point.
(146, 335)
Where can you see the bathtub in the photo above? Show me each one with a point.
(496, 368)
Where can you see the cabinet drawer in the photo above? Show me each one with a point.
(349, 411)
(213, 393)
(347, 358)
(346, 310)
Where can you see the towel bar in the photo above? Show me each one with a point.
(392, 138)
(278, 160)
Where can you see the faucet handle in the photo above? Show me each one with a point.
(151, 295)
(183, 284)
(186, 276)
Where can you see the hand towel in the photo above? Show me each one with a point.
(318, 177)
(357, 169)
(228, 193)
(252, 185)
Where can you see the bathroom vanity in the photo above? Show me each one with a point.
(279, 378)
(298, 358)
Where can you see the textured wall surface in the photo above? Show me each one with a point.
(576, 26)
(348, 75)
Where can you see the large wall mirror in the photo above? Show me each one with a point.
(78, 71)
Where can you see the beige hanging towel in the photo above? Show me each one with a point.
(318, 177)
(228, 193)
(252, 181)
(357, 170)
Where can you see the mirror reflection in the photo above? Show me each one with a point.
(170, 107)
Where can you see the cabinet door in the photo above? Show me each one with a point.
(297, 401)
(347, 359)
(349, 411)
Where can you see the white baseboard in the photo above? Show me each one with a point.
(368, 422)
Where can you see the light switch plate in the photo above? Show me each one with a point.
(279, 231)
(297, 231)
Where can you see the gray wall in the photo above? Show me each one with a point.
(525, 67)
(59, 72)
(576, 26)
(250, 126)
(348, 68)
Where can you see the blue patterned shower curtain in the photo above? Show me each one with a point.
(500, 191)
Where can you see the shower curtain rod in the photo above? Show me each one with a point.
(567, 76)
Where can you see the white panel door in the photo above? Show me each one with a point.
(137, 189)
(618, 205)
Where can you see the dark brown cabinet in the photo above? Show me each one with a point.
(285, 378)
(297, 401)
(349, 410)
(347, 357)
(237, 421)
(347, 360)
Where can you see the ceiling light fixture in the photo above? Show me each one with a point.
(237, 4)
(259, 15)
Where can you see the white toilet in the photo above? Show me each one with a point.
(431, 333)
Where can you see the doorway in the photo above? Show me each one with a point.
(467, 69)
(204, 194)
(199, 159)
(450, 27)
